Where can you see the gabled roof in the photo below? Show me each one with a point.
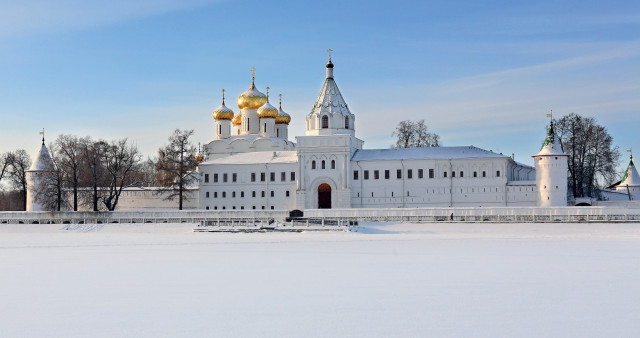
(330, 100)
(631, 177)
(43, 161)
(430, 153)
(551, 144)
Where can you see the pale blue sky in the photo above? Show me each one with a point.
(481, 73)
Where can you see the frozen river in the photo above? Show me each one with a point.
(491, 280)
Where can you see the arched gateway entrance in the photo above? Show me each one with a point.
(324, 196)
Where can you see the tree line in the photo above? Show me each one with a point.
(90, 173)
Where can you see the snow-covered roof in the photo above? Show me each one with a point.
(551, 145)
(631, 177)
(256, 157)
(330, 100)
(424, 153)
(43, 161)
(250, 138)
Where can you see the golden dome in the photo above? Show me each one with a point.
(237, 120)
(223, 113)
(252, 98)
(282, 118)
(199, 158)
(267, 111)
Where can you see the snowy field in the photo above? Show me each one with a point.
(387, 280)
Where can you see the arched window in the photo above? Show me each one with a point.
(313, 164)
(323, 164)
(325, 122)
(333, 164)
(277, 132)
(346, 122)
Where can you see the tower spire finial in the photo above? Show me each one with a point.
(630, 150)
(42, 133)
(268, 93)
(253, 77)
(329, 50)
(223, 90)
(280, 101)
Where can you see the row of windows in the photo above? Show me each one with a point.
(325, 122)
(323, 164)
(234, 207)
(263, 177)
(473, 190)
(387, 174)
(253, 194)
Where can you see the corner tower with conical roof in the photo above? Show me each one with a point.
(41, 165)
(630, 182)
(330, 114)
(551, 172)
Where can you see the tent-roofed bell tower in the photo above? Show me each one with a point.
(324, 153)
(330, 114)
(41, 165)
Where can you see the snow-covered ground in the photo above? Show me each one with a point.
(490, 280)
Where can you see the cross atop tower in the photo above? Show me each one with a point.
(268, 93)
(42, 133)
(329, 50)
(280, 103)
(223, 90)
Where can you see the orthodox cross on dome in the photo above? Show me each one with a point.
(550, 115)
(268, 93)
(630, 150)
(42, 133)
(280, 101)
(253, 77)
(329, 50)
(223, 90)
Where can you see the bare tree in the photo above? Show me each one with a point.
(67, 150)
(592, 156)
(120, 160)
(20, 163)
(93, 173)
(415, 135)
(178, 165)
(5, 164)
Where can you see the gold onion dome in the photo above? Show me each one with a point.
(222, 112)
(252, 98)
(237, 120)
(267, 110)
(282, 118)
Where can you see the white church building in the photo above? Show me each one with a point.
(251, 164)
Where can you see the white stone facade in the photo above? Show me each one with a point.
(328, 167)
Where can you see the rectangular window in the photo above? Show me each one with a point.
(242, 194)
(215, 178)
(461, 173)
(224, 194)
(376, 174)
(432, 173)
(293, 176)
(355, 175)
(263, 177)
(445, 174)
(263, 193)
(498, 173)
(207, 194)
(233, 194)
(366, 174)
(253, 193)
(206, 178)
(234, 177)
(287, 193)
(224, 178)
(215, 194)
(272, 193)
(453, 174)
(399, 173)
(272, 177)
(253, 177)
(283, 176)
(475, 174)
(387, 174)
(409, 174)
(484, 174)
(420, 173)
